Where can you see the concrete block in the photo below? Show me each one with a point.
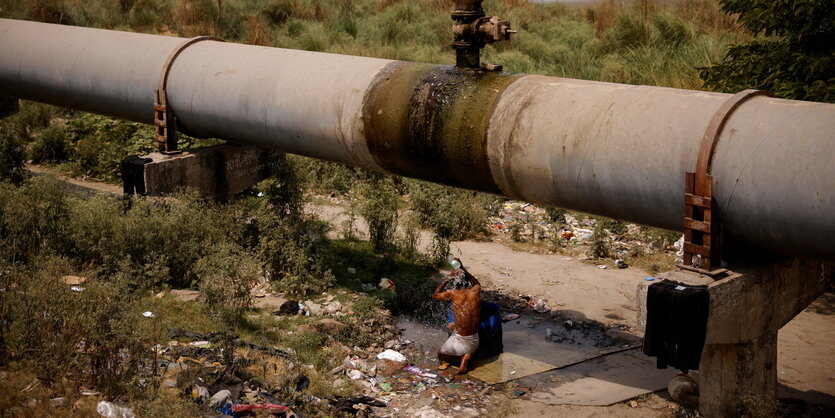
(747, 308)
(216, 172)
(752, 300)
(8, 106)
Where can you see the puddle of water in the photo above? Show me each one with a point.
(530, 340)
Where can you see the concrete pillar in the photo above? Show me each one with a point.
(733, 373)
(748, 305)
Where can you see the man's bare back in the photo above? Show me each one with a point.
(466, 305)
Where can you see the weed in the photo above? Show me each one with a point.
(379, 208)
(226, 275)
(599, 246)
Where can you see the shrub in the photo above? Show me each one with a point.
(95, 335)
(379, 208)
(795, 58)
(226, 276)
(51, 147)
(12, 156)
(599, 246)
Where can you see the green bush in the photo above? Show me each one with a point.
(379, 208)
(226, 276)
(12, 156)
(794, 56)
(51, 147)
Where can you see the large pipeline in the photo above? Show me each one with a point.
(609, 149)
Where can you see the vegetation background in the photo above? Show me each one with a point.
(131, 250)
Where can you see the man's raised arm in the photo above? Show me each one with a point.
(439, 294)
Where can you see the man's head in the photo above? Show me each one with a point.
(458, 280)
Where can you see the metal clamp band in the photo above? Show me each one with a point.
(714, 130)
(702, 229)
(164, 120)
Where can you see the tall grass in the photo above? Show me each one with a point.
(639, 42)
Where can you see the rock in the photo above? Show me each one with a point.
(331, 325)
(313, 307)
(352, 270)
(333, 307)
(633, 404)
(390, 344)
(387, 367)
(73, 280)
(470, 412)
(684, 390)
(425, 412)
(185, 295)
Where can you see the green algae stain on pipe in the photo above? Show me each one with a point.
(430, 122)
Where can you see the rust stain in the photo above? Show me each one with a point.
(430, 122)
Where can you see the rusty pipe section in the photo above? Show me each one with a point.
(608, 149)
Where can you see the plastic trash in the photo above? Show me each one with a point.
(541, 306)
(548, 333)
(77, 289)
(386, 283)
(392, 355)
(267, 407)
(509, 317)
(602, 267)
(148, 314)
(290, 307)
(221, 398)
(354, 374)
(621, 264)
(649, 278)
(385, 386)
(111, 410)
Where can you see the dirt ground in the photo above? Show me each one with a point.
(582, 291)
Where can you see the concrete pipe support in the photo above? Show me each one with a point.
(609, 149)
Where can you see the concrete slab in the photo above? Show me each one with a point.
(604, 381)
(528, 352)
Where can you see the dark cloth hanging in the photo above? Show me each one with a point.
(676, 324)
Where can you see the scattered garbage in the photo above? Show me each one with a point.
(220, 398)
(386, 284)
(392, 355)
(352, 270)
(411, 368)
(649, 278)
(385, 386)
(291, 307)
(368, 287)
(355, 404)
(510, 317)
(148, 314)
(266, 407)
(539, 305)
(302, 383)
(621, 264)
(603, 267)
(111, 410)
(77, 289)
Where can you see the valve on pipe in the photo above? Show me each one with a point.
(473, 30)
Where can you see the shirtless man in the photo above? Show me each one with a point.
(466, 305)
